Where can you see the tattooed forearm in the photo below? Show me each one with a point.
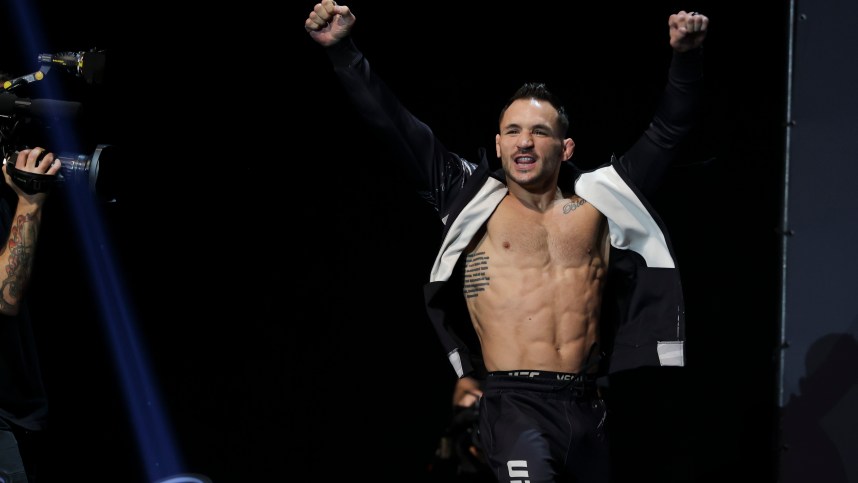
(476, 279)
(20, 248)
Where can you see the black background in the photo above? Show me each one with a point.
(271, 257)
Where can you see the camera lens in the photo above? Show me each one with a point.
(82, 168)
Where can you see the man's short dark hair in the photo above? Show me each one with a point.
(538, 91)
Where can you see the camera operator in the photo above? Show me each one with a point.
(23, 402)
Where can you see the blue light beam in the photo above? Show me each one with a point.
(154, 436)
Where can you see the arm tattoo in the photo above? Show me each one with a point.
(22, 239)
(476, 279)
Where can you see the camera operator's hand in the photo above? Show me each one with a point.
(38, 161)
(467, 392)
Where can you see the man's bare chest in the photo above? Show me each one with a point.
(571, 231)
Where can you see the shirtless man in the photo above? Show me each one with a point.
(534, 249)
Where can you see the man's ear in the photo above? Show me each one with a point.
(497, 145)
(568, 148)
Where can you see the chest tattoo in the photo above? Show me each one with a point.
(573, 205)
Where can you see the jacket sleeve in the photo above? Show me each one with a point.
(647, 160)
(436, 170)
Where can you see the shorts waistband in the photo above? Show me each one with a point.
(550, 375)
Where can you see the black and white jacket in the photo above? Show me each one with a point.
(643, 311)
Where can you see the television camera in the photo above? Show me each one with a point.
(27, 122)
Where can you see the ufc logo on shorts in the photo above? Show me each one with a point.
(517, 469)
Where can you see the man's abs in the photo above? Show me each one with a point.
(533, 289)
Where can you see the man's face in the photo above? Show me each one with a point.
(530, 144)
